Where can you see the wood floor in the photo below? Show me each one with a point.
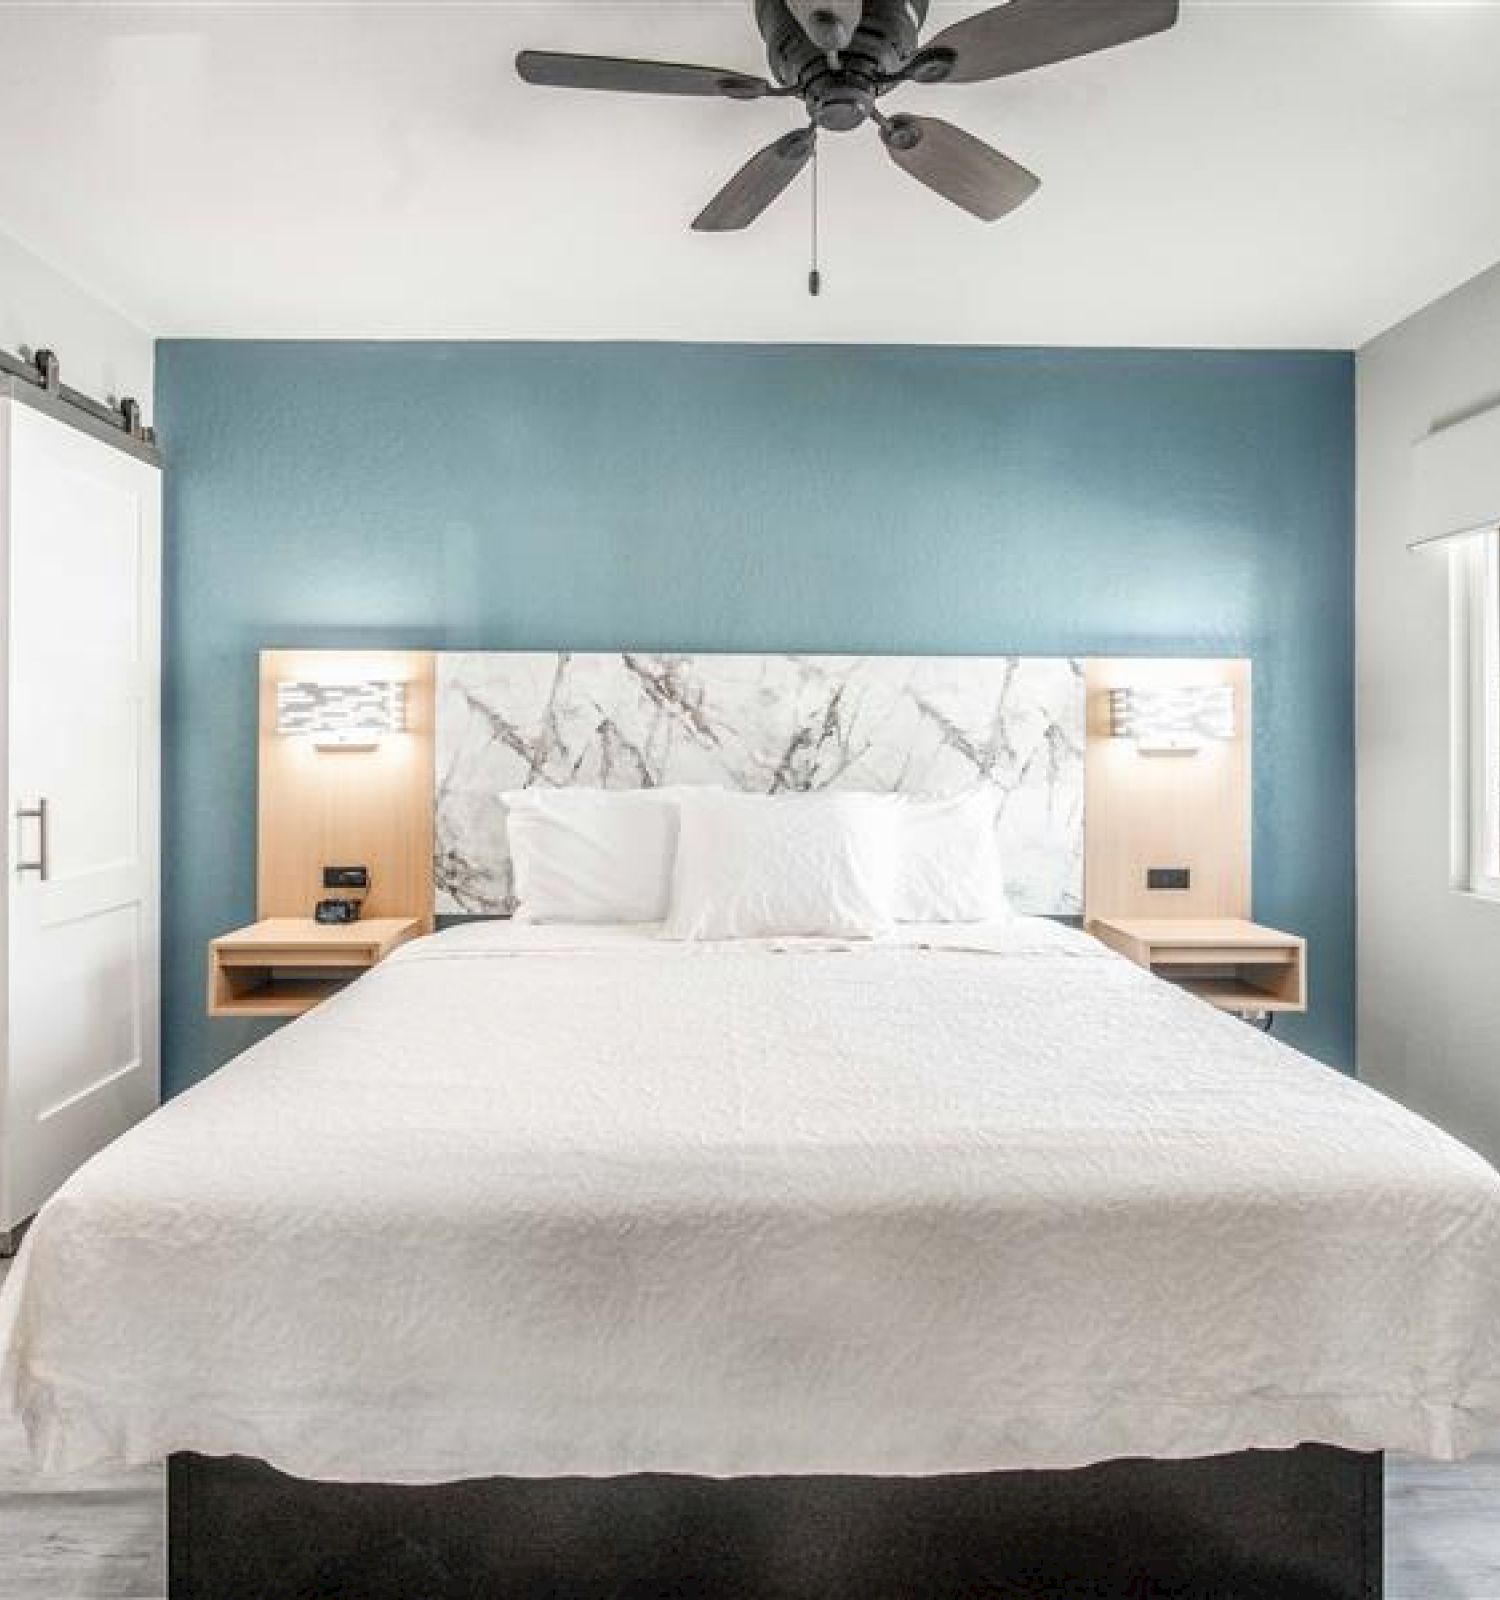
(100, 1538)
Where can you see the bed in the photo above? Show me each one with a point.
(570, 1261)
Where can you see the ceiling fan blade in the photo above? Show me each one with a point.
(763, 178)
(830, 24)
(958, 166)
(555, 71)
(1034, 33)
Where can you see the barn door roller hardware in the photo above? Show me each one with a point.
(41, 371)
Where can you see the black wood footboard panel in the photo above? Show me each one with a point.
(1261, 1525)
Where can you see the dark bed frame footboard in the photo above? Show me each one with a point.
(1261, 1525)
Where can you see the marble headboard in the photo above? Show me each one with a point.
(763, 723)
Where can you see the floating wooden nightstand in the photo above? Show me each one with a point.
(285, 965)
(1235, 965)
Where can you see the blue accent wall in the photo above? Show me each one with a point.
(538, 496)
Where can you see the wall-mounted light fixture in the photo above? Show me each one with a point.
(1173, 721)
(355, 715)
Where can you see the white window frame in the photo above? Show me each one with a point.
(1476, 727)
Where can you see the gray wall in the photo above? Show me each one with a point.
(102, 352)
(1429, 957)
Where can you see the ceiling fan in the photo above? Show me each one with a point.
(841, 57)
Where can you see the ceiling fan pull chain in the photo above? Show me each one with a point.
(815, 277)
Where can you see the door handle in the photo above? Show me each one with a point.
(38, 813)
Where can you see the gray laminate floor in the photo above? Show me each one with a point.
(100, 1538)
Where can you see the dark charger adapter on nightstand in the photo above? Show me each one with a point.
(345, 907)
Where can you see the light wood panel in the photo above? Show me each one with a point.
(1146, 811)
(371, 808)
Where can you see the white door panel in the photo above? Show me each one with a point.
(83, 739)
(83, 756)
(84, 1046)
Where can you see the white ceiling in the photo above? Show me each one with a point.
(1272, 173)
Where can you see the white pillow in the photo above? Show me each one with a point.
(949, 867)
(752, 865)
(592, 855)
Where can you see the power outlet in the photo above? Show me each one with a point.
(1169, 878)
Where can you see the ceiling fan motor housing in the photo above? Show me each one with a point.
(884, 42)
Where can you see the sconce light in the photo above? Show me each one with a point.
(341, 716)
(1172, 721)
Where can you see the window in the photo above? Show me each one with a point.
(1476, 591)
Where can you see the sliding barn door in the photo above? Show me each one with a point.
(84, 547)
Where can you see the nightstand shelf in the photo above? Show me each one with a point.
(286, 965)
(1228, 962)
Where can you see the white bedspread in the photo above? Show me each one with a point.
(543, 1201)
